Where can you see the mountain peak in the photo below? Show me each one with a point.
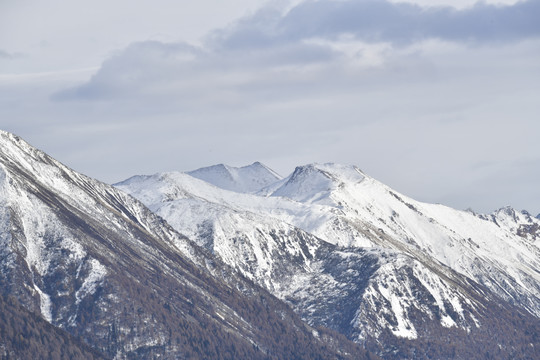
(508, 210)
(17, 155)
(246, 179)
(315, 181)
(5, 134)
(9, 140)
(13, 139)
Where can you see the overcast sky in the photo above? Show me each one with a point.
(438, 99)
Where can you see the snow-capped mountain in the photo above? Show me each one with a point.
(246, 179)
(501, 251)
(402, 278)
(350, 253)
(519, 223)
(97, 263)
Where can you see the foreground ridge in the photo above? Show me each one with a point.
(98, 264)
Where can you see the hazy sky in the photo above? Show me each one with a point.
(438, 99)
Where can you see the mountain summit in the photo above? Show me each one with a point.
(246, 179)
(314, 182)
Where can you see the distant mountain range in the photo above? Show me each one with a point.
(239, 263)
(351, 254)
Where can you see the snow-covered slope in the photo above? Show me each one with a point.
(500, 251)
(98, 263)
(263, 248)
(345, 207)
(291, 263)
(247, 179)
(348, 252)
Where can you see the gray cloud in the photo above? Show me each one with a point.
(382, 21)
(139, 64)
(9, 56)
(5, 55)
(270, 39)
(160, 70)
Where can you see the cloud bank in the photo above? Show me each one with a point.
(312, 35)
(382, 21)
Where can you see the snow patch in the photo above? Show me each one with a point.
(92, 281)
(399, 306)
(45, 304)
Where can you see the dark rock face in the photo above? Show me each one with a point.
(25, 335)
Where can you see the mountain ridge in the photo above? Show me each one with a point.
(335, 218)
(249, 178)
(401, 278)
(97, 263)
